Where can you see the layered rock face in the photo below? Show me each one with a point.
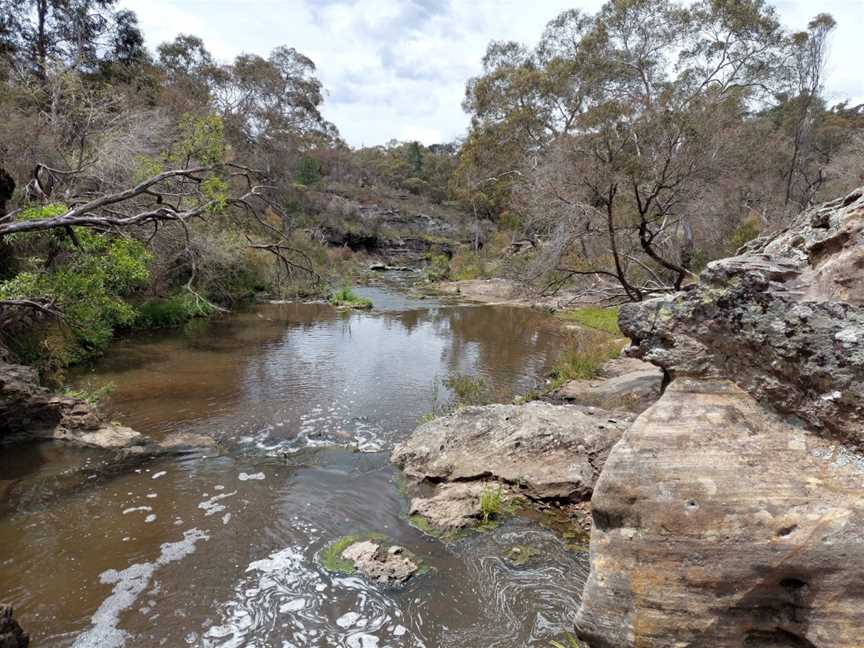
(731, 513)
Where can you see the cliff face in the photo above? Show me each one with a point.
(730, 513)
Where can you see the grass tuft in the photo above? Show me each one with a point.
(491, 503)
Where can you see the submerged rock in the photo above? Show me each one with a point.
(730, 514)
(623, 383)
(537, 450)
(11, 634)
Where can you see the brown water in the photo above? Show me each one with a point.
(221, 548)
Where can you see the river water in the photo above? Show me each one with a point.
(220, 548)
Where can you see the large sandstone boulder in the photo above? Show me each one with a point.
(546, 451)
(730, 514)
(785, 320)
(717, 523)
(538, 451)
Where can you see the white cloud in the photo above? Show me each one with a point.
(397, 68)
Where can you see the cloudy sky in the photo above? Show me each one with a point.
(397, 68)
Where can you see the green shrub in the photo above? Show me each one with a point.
(88, 282)
(347, 298)
(596, 317)
(746, 231)
(583, 360)
(439, 268)
(491, 502)
(469, 390)
(93, 396)
(171, 311)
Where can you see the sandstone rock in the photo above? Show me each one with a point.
(379, 563)
(452, 506)
(717, 523)
(730, 514)
(543, 451)
(784, 320)
(11, 634)
(625, 383)
(30, 412)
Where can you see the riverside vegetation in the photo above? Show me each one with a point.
(668, 173)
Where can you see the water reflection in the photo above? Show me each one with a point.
(222, 550)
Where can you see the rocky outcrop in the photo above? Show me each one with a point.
(29, 411)
(538, 450)
(11, 634)
(623, 383)
(785, 320)
(730, 514)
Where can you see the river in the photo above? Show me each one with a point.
(220, 548)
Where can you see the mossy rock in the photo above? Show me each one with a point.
(521, 554)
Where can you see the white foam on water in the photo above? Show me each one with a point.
(246, 477)
(136, 508)
(159, 474)
(212, 506)
(128, 586)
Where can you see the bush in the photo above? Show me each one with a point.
(347, 298)
(88, 281)
(746, 231)
(583, 360)
(469, 390)
(171, 311)
(439, 268)
(491, 501)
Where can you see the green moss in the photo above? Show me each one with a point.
(331, 555)
(600, 318)
(520, 555)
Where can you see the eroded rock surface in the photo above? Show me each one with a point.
(784, 320)
(730, 514)
(623, 383)
(545, 451)
(537, 450)
(11, 634)
(717, 523)
(388, 565)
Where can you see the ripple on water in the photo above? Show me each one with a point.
(285, 597)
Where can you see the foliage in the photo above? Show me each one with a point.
(93, 396)
(468, 390)
(438, 268)
(583, 359)
(347, 298)
(171, 311)
(491, 502)
(595, 317)
(88, 281)
(746, 231)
